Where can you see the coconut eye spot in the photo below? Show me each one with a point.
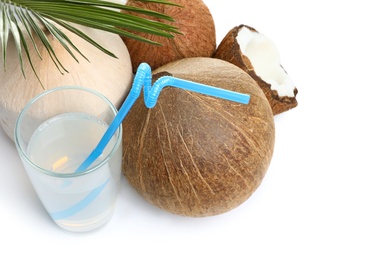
(265, 59)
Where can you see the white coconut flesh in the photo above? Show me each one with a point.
(265, 59)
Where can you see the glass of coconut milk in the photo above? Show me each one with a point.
(54, 134)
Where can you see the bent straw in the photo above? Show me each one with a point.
(142, 78)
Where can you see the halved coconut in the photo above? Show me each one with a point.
(259, 57)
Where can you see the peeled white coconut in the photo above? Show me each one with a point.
(110, 76)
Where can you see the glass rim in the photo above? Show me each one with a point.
(72, 174)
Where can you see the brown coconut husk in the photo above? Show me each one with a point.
(196, 155)
(197, 38)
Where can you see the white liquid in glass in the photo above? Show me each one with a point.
(60, 145)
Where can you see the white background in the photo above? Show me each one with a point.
(326, 194)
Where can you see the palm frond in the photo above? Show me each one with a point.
(18, 16)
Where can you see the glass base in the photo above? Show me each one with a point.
(86, 225)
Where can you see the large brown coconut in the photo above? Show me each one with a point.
(256, 54)
(195, 22)
(196, 155)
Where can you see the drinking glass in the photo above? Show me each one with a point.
(54, 134)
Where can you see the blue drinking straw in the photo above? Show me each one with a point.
(143, 77)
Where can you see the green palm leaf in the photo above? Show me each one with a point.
(17, 16)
